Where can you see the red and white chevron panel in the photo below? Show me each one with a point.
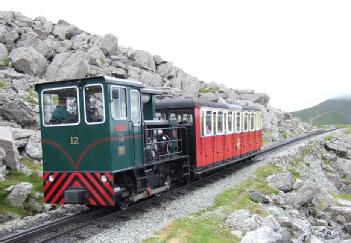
(99, 192)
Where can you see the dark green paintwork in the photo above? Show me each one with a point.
(99, 142)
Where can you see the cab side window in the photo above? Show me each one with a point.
(118, 103)
(94, 104)
(135, 107)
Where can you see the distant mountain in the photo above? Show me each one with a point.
(332, 111)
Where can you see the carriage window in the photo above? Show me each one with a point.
(135, 107)
(246, 125)
(119, 103)
(220, 129)
(60, 106)
(172, 117)
(230, 123)
(94, 104)
(214, 123)
(187, 118)
(209, 130)
(202, 124)
(238, 123)
(252, 122)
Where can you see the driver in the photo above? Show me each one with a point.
(60, 113)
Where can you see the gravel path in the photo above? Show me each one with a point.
(141, 225)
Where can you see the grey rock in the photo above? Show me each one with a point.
(16, 110)
(33, 148)
(220, 100)
(340, 219)
(260, 98)
(209, 97)
(342, 167)
(144, 59)
(42, 27)
(297, 184)
(64, 30)
(347, 229)
(27, 40)
(282, 181)
(2, 172)
(34, 206)
(337, 148)
(19, 194)
(245, 91)
(340, 211)
(4, 55)
(258, 197)
(108, 44)
(7, 216)
(150, 79)
(48, 47)
(158, 60)
(263, 234)
(96, 56)
(2, 155)
(68, 65)
(8, 145)
(242, 220)
(26, 171)
(303, 195)
(28, 60)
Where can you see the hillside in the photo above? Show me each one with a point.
(332, 111)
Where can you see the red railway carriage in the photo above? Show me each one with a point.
(218, 134)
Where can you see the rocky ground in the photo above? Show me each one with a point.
(36, 50)
(301, 195)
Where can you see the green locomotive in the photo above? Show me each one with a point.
(102, 146)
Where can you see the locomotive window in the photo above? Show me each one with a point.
(220, 129)
(187, 118)
(238, 122)
(172, 116)
(60, 106)
(135, 107)
(94, 104)
(118, 103)
(230, 122)
(209, 126)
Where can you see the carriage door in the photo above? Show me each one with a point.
(135, 128)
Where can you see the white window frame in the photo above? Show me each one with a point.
(205, 122)
(252, 123)
(120, 87)
(103, 104)
(238, 113)
(231, 131)
(245, 119)
(65, 124)
(131, 115)
(223, 128)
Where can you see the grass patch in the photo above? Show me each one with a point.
(267, 135)
(345, 196)
(294, 172)
(3, 85)
(197, 229)
(29, 163)
(15, 177)
(328, 138)
(32, 97)
(208, 90)
(5, 62)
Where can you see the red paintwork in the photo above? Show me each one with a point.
(216, 149)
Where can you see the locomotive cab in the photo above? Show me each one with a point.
(93, 142)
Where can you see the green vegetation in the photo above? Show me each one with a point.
(3, 85)
(5, 62)
(15, 177)
(333, 111)
(267, 134)
(32, 97)
(345, 196)
(328, 138)
(28, 162)
(208, 225)
(208, 90)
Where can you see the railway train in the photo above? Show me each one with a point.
(108, 142)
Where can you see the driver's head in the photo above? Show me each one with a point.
(62, 101)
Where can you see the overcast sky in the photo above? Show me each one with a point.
(298, 52)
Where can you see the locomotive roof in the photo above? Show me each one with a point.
(173, 103)
(107, 79)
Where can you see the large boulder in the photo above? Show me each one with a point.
(336, 147)
(150, 79)
(19, 194)
(28, 60)
(340, 211)
(7, 144)
(281, 181)
(304, 195)
(42, 26)
(260, 98)
(33, 148)
(16, 110)
(108, 44)
(342, 167)
(64, 30)
(4, 55)
(68, 65)
(144, 59)
(263, 234)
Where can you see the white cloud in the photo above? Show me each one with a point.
(298, 52)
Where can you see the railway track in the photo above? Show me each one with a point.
(73, 223)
